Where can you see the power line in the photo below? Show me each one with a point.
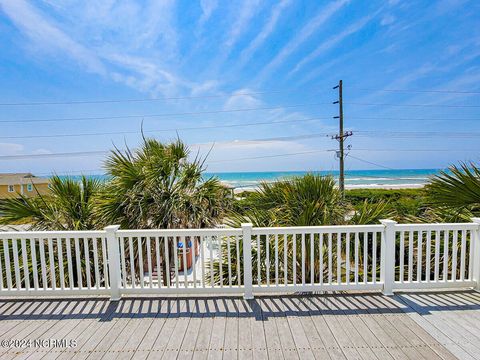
(101, 152)
(163, 130)
(165, 114)
(80, 102)
(369, 162)
(252, 93)
(271, 156)
(418, 91)
(413, 105)
(412, 119)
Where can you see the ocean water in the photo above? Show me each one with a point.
(353, 178)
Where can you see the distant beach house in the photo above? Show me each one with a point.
(13, 184)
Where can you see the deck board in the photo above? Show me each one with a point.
(430, 325)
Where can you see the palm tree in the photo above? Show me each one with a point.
(310, 200)
(68, 206)
(157, 186)
(457, 188)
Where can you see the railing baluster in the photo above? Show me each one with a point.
(95, 263)
(446, 237)
(267, 260)
(175, 257)
(51, 260)
(365, 257)
(26, 272)
(239, 278)
(356, 257)
(202, 255)
(259, 261)
(123, 261)
(167, 261)
(374, 257)
(471, 256)
(106, 281)
(185, 263)
(285, 259)
(294, 259)
(303, 258)
(410, 256)
(212, 279)
(68, 249)
(60, 263)
(462, 255)
(149, 262)
(132, 262)
(320, 256)
(276, 259)
(402, 256)
(339, 258)
(33, 250)
(16, 265)
(140, 261)
(159, 267)
(193, 239)
(454, 255)
(330, 260)
(428, 258)
(347, 258)
(77, 259)
(419, 256)
(437, 255)
(87, 262)
(6, 251)
(312, 259)
(229, 262)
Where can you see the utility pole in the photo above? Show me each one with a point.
(341, 137)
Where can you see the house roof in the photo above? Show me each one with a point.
(21, 178)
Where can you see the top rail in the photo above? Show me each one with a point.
(436, 226)
(317, 229)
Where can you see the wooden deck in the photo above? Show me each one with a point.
(333, 326)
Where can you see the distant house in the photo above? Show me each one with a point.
(11, 185)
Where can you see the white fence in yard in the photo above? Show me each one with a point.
(247, 261)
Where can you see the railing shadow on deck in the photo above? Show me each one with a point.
(261, 308)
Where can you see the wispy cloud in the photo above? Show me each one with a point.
(330, 43)
(159, 26)
(48, 36)
(247, 12)
(208, 7)
(267, 29)
(308, 30)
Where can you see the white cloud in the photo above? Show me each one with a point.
(238, 101)
(387, 20)
(307, 31)
(248, 10)
(48, 36)
(208, 7)
(268, 28)
(328, 44)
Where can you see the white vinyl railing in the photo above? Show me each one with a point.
(248, 260)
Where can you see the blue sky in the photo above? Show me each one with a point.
(206, 58)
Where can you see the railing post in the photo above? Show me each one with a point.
(113, 253)
(476, 254)
(387, 259)
(247, 261)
